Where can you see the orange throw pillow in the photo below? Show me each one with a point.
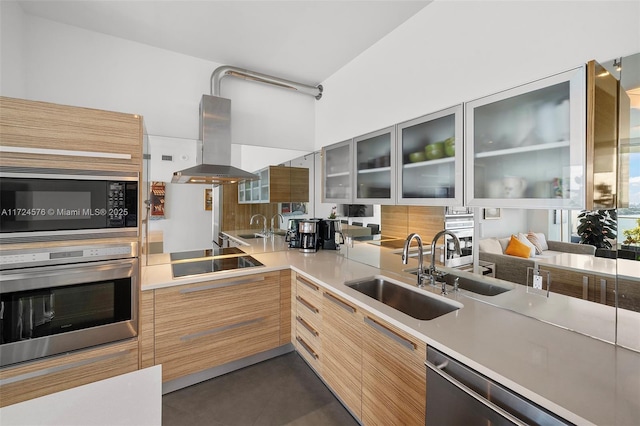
(518, 248)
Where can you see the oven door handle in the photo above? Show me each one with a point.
(64, 275)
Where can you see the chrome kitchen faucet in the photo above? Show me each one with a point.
(433, 272)
(405, 256)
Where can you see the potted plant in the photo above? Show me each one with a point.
(632, 240)
(598, 227)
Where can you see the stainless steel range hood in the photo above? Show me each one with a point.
(214, 153)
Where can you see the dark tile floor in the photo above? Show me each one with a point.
(280, 391)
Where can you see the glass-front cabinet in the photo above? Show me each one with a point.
(430, 159)
(337, 166)
(374, 157)
(526, 146)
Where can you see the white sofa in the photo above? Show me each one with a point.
(514, 268)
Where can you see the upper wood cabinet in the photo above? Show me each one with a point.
(41, 134)
(525, 147)
(430, 159)
(277, 184)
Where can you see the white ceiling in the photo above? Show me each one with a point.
(304, 41)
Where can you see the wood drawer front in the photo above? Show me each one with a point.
(393, 375)
(342, 350)
(309, 313)
(572, 283)
(206, 326)
(309, 290)
(308, 345)
(67, 371)
(42, 125)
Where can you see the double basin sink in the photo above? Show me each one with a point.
(420, 304)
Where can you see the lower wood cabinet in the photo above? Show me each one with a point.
(307, 319)
(393, 375)
(207, 324)
(628, 294)
(572, 283)
(342, 350)
(55, 374)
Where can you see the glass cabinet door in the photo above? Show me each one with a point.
(264, 185)
(374, 159)
(430, 156)
(337, 162)
(526, 145)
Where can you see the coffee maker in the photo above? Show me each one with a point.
(308, 234)
(293, 236)
(330, 234)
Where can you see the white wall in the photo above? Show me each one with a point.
(12, 82)
(68, 65)
(455, 51)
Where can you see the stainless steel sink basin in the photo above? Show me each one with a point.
(250, 236)
(413, 303)
(475, 286)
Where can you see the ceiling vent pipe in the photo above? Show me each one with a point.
(227, 70)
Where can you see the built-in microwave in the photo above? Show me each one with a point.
(38, 204)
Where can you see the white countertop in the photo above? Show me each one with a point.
(583, 379)
(597, 265)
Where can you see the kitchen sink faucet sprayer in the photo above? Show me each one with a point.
(405, 256)
(264, 222)
(433, 272)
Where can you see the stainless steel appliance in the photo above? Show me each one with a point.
(293, 236)
(56, 300)
(458, 395)
(458, 220)
(309, 238)
(38, 204)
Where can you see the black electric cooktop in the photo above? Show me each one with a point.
(213, 265)
(197, 254)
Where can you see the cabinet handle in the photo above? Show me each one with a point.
(603, 291)
(307, 347)
(307, 304)
(220, 285)
(307, 326)
(390, 333)
(307, 283)
(66, 152)
(585, 287)
(340, 303)
(56, 369)
(220, 329)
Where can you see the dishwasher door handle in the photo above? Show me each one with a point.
(438, 370)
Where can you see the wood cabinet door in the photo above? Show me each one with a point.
(58, 373)
(628, 294)
(76, 138)
(393, 375)
(572, 283)
(342, 350)
(211, 323)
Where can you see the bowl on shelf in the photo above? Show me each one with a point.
(450, 147)
(434, 151)
(416, 157)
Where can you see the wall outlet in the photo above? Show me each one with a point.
(537, 282)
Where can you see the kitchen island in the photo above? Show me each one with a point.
(582, 379)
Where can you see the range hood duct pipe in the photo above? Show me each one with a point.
(226, 70)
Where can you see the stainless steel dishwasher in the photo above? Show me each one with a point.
(458, 395)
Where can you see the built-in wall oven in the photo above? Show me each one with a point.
(43, 204)
(60, 299)
(460, 222)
